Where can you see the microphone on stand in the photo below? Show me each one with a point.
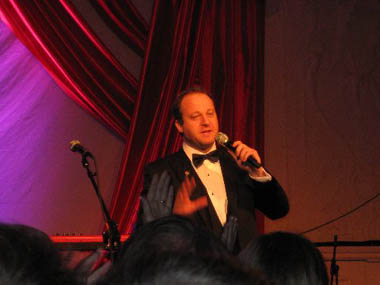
(75, 146)
(222, 139)
(111, 237)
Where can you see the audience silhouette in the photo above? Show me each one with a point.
(28, 256)
(286, 258)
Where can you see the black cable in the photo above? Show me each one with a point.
(341, 216)
(364, 260)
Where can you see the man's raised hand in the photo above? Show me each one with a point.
(183, 205)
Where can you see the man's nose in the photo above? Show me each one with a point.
(205, 120)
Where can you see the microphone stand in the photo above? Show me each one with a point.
(334, 268)
(111, 237)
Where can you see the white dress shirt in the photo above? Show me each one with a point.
(212, 178)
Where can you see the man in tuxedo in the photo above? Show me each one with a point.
(210, 189)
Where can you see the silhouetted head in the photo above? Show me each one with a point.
(174, 268)
(286, 258)
(28, 256)
(171, 234)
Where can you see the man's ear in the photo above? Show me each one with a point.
(178, 126)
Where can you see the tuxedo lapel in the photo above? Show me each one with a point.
(228, 167)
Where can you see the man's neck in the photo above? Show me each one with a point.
(191, 149)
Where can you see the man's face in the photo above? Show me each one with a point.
(200, 123)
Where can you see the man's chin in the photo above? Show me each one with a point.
(206, 145)
(201, 145)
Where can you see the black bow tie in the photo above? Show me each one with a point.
(199, 158)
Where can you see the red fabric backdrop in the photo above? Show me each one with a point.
(217, 44)
(73, 55)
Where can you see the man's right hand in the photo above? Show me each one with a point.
(183, 206)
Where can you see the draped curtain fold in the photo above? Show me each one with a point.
(214, 43)
(80, 63)
(125, 21)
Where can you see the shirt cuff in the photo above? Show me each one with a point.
(262, 179)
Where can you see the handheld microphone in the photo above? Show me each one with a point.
(75, 146)
(223, 140)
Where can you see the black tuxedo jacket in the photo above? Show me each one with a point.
(243, 193)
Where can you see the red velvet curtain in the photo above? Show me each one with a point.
(125, 21)
(56, 34)
(215, 43)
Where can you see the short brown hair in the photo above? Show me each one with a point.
(176, 107)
